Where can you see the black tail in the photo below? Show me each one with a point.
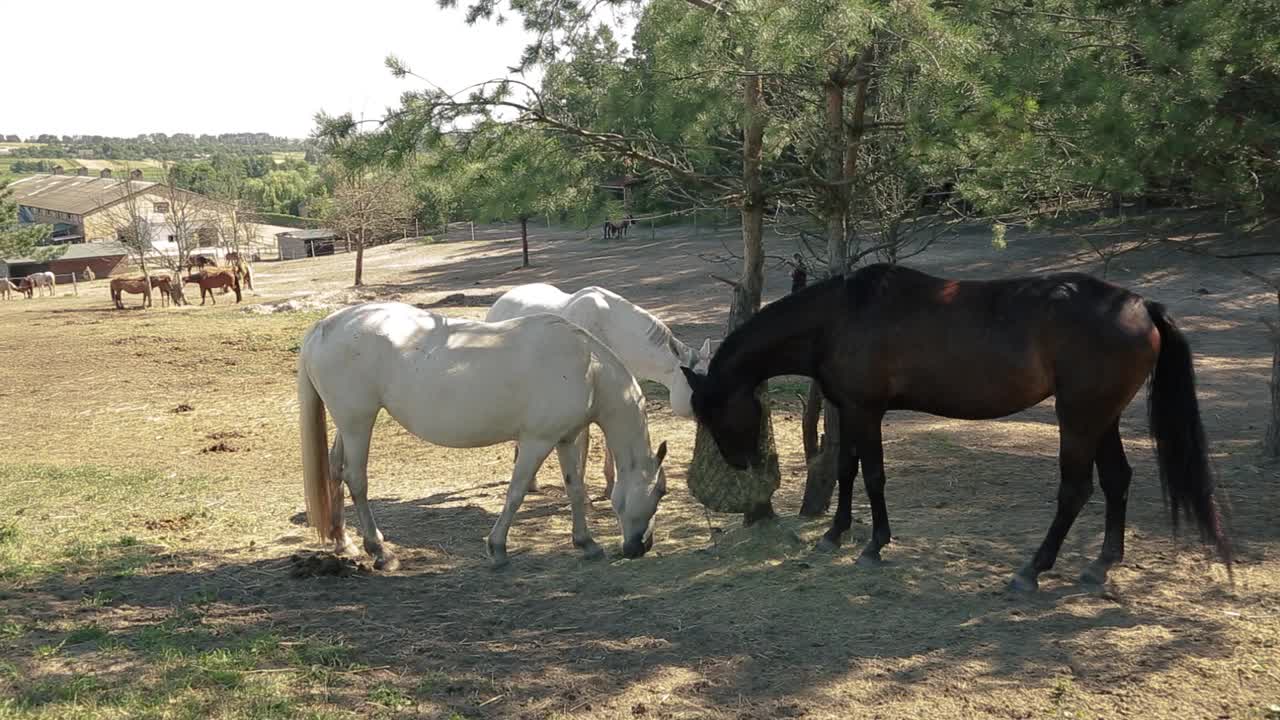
(1181, 450)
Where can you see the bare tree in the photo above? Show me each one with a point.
(367, 206)
(131, 214)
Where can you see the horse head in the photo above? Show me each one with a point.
(731, 413)
(681, 392)
(635, 501)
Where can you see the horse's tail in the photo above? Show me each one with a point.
(317, 479)
(1181, 450)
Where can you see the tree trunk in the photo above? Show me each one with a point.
(820, 480)
(359, 259)
(1271, 441)
(747, 491)
(524, 242)
(842, 163)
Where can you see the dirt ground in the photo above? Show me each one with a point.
(151, 512)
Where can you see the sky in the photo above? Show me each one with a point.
(233, 65)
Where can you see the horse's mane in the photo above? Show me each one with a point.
(858, 288)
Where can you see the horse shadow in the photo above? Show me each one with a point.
(763, 633)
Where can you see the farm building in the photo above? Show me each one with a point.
(308, 243)
(85, 209)
(102, 258)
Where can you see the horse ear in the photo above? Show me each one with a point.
(695, 380)
(662, 453)
(704, 352)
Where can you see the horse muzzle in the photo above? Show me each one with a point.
(637, 546)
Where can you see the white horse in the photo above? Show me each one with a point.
(539, 381)
(7, 288)
(643, 342)
(41, 280)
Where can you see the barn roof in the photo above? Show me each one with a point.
(80, 251)
(316, 234)
(75, 194)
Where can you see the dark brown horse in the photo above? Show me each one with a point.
(210, 280)
(890, 338)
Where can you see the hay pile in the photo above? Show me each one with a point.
(721, 488)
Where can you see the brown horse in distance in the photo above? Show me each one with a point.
(135, 285)
(164, 284)
(210, 280)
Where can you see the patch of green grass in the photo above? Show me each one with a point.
(87, 634)
(58, 691)
(389, 696)
(431, 683)
(47, 539)
(100, 598)
(12, 630)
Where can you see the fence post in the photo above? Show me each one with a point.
(75, 288)
(473, 230)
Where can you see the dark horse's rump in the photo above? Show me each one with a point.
(888, 337)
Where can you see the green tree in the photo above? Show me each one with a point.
(21, 240)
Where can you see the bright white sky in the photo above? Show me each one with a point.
(233, 65)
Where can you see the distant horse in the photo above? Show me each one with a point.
(137, 285)
(241, 268)
(210, 280)
(199, 262)
(612, 229)
(891, 338)
(164, 284)
(41, 281)
(643, 342)
(7, 288)
(460, 383)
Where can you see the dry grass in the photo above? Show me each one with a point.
(142, 575)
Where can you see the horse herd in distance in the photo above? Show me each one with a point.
(202, 271)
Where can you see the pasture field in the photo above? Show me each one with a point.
(151, 507)
(151, 169)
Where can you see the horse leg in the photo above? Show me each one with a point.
(342, 544)
(1075, 461)
(530, 456)
(573, 463)
(1114, 475)
(865, 436)
(846, 473)
(355, 446)
(610, 471)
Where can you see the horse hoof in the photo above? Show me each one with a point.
(825, 545)
(387, 563)
(1023, 584)
(870, 559)
(1095, 574)
(497, 554)
(591, 550)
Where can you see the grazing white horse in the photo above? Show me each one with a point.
(643, 342)
(539, 381)
(41, 280)
(7, 288)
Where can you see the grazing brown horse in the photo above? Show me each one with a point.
(210, 280)
(164, 284)
(891, 338)
(136, 285)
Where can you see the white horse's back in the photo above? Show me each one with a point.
(451, 382)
